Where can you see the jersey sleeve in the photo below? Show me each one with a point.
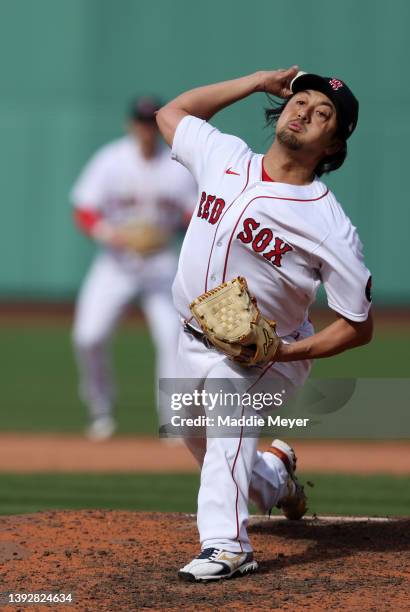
(196, 142)
(90, 189)
(345, 277)
(186, 190)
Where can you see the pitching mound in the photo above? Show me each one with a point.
(129, 560)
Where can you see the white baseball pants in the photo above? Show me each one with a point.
(108, 288)
(232, 469)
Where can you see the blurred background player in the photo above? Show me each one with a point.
(129, 181)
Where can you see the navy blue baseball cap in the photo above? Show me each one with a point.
(144, 109)
(346, 104)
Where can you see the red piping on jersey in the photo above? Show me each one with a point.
(222, 216)
(250, 201)
(85, 219)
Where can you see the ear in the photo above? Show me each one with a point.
(333, 148)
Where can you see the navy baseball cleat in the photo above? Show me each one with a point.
(215, 564)
(294, 503)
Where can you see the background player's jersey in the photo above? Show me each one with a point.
(284, 239)
(122, 185)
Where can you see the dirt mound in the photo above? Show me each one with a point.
(129, 560)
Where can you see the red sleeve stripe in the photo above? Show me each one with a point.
(86, 219)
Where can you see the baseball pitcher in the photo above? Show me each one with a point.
(266, 232)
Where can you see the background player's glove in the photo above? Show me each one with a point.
(229, 317)
(141, 238)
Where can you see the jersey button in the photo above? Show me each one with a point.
(213, 277)
(219, 243)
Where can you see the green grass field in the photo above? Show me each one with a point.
(39, 382)
(332, 494)
(39, 394)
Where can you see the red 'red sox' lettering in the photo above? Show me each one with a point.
(216, 210)
(202, 200)
(209, 200)
(248, 225)
(210, 208)
(262, 241)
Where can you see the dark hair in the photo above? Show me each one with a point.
(329, 162)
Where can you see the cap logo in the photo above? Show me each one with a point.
(335, 84)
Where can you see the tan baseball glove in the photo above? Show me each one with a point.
(229, 317)
(141, 238)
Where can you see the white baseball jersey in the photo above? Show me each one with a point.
(122, 185)
(284, 239)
